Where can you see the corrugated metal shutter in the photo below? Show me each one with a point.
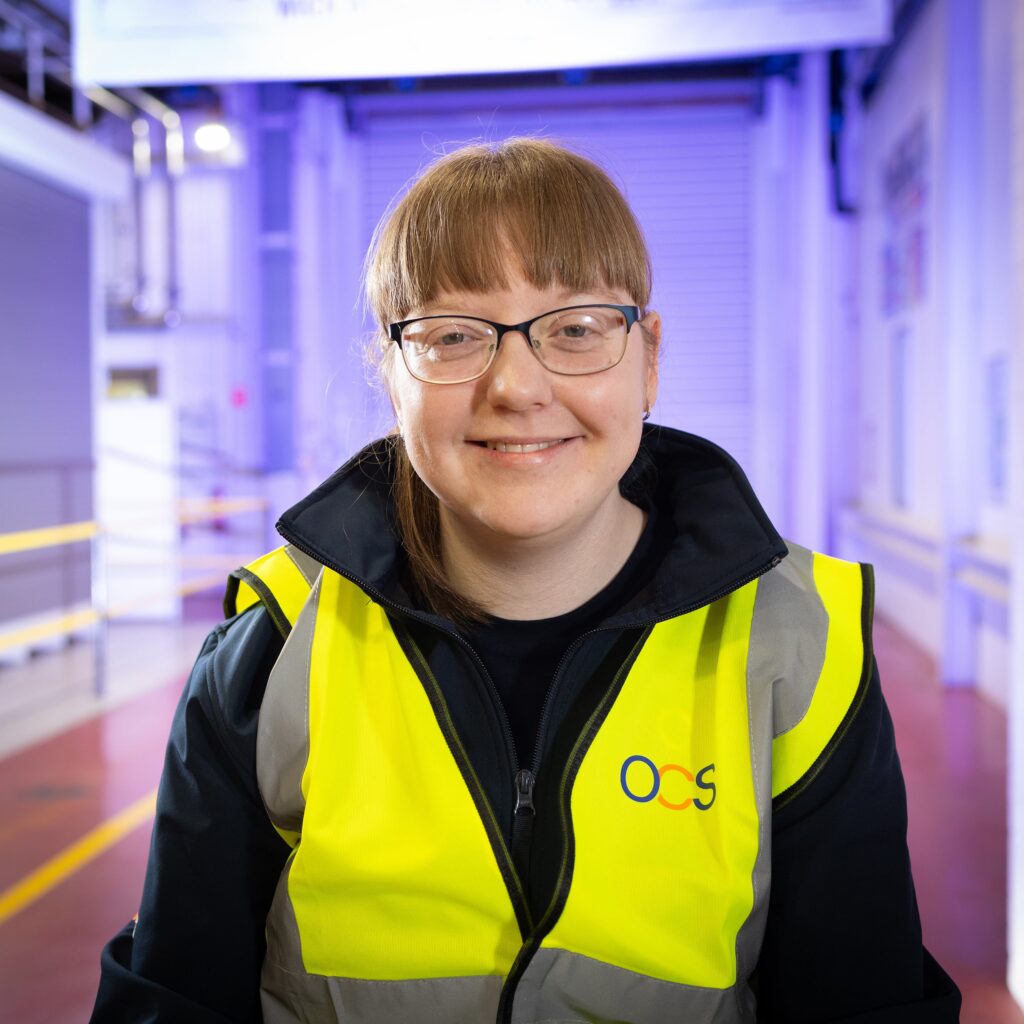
(685, 168)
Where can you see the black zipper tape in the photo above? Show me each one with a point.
(564, 883)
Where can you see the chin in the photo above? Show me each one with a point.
(527, 525)
(521, 530)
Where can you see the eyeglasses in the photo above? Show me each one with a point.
(574, 340)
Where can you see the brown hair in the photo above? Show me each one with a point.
(562, 221)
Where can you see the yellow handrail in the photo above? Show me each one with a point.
(50, 627)
(47, 537)
(189, 511)
(71, 621)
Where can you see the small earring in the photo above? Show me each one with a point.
(647, 415)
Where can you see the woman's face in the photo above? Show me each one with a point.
(590, 426)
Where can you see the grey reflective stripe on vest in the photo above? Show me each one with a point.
(784, 661)
(357, 1001)
(309, 567)
(565, 987)
(289, 995)
(282, 741)
(787, 640)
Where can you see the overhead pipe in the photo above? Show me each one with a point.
(174, 162)
(142, 165)
(836, 123)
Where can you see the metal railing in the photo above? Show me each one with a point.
(101, 610)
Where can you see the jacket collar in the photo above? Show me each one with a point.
(723, 538)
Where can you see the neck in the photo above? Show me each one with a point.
(537, 578)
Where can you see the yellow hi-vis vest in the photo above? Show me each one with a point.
(397, 907)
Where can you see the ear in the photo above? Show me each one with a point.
(652, 347)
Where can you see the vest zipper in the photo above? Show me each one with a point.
(526, 778)
(558, 897)
(524, 815)
(524, 790)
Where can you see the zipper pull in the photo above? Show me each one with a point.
(524, 791)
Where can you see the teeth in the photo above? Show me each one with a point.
(502, 446)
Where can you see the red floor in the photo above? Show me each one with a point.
(51, 795)
(953, 748)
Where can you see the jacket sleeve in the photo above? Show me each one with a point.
(843, 937)
(196, 952)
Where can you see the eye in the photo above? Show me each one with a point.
(451, 333)
(578, 329)
(574, 328)
(447, 339)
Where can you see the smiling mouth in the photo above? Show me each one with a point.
(520, 449)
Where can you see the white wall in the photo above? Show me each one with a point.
(337, 410)
(1015, 788)
(934, 247)
(896, 527)
(804, 313)
(997, 337)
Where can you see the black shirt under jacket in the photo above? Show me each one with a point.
(843, 939)
(522, 656)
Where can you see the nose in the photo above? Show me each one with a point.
(516, 379)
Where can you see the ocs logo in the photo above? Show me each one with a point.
(657, 779)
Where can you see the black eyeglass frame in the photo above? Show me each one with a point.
(631, 313)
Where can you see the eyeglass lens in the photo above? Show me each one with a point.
(451, 349)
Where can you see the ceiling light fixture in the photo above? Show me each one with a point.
(212, 137)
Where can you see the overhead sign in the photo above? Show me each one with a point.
(153, 42)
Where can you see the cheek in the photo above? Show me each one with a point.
(621, 401)
(429, 421)
(407, 398)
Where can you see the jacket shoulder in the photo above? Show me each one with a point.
(280, 580)
(227, 682)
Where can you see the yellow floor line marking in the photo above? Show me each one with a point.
(50, 874)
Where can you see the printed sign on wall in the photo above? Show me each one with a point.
(905, 188)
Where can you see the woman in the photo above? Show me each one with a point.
(534, 717)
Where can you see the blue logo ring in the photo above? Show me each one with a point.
(655, 774)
